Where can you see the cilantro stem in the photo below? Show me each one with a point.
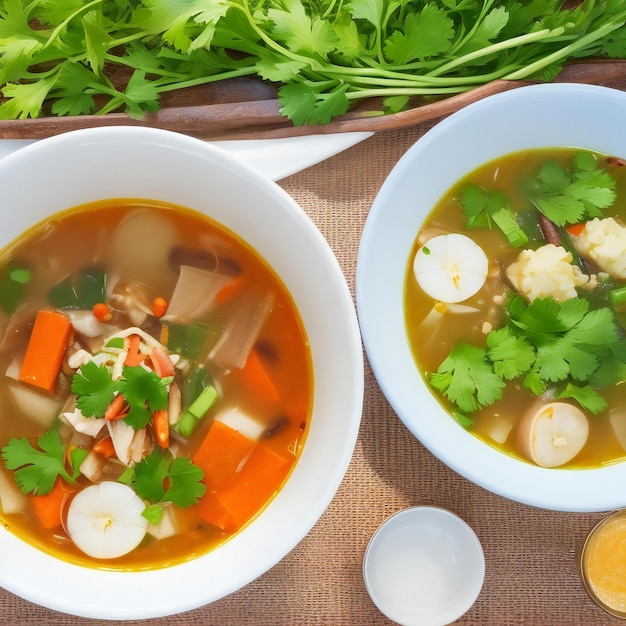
(57, 31)
(514, 42)
(477, 23)
(334, 50)
(244, 71)
(566, 51)
(617, 297)
(406, 91)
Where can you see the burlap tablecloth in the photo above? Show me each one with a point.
(531, 554)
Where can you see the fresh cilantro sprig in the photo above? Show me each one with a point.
(467, 378)
(570, 340)
(37, 468)
(71, 58)
(144, 391)
(568, 196)
(94, 388)
(544, 344)
(161, 479)
(484, 208)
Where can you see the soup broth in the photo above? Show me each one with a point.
(567, 388)
(151, 353)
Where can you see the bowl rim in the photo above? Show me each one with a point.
(562, 104)
(109, 594)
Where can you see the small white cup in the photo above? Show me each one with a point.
(424, 566)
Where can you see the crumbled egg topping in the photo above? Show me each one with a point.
(547, 272)
(604, 242)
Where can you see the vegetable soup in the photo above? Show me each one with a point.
(515, 305)
(158, 385)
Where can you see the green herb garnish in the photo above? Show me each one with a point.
(160, 478)
(13, 281)
(144, 391)
(37, 469)
(66, 57)
(484, 208)
(569, 196)
(544, 343)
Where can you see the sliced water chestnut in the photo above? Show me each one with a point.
(450, 268)
(105, 520)
(552, 434)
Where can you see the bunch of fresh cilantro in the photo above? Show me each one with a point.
(564, 346)
(64, 56)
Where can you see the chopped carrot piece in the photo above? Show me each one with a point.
(52, 332)
(576, 229)
(257, 481)
(115, 410)
(161, 363)
(161, 427)
(256, 378)
(227, 292)
(220, 455)
(104, 447)
(49, 507)
(133, 356)
(159, 307)
(102, 312)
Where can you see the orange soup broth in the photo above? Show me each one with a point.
(430, 346)
(79, 238)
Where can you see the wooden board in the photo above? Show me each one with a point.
(249, 109)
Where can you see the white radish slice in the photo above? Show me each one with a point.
(247, 425)
(553, 434)
(450, 268)
(105, 521)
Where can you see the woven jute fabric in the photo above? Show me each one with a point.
(531, 554)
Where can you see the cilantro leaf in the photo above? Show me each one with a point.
(568, 337)
(145, 393)
(534, 382)
(180, 23)
(467, 378)
(141, 94)
(568, 196)
(153, 513)
(160, 478)
(303, 103)
(484, 208)
(299, 32)
(424, 34)
(511, 355)
(37, 469)
(586, 396)
(485, 31)
(25, 100)
(185, 488)
(94, 388)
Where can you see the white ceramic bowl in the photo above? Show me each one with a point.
(536, 116)
(424, 566)
(84, 166)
